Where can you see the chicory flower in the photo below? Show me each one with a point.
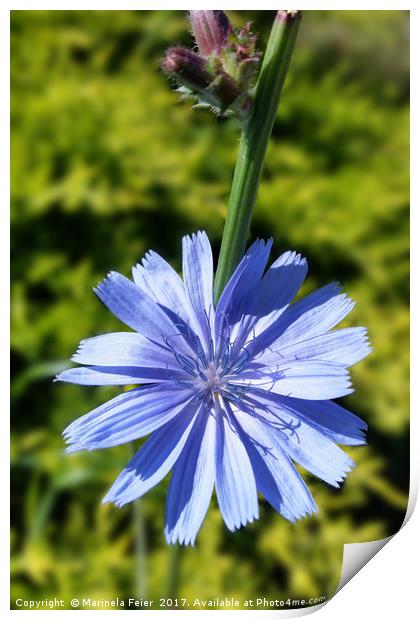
(231, 395)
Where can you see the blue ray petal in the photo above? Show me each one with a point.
(311, 379)
(162, 283)
(192, 483)
(154, 459)
(342, 346)
(277, 478)
(304, 443)
(124, 349)
(343, 426)
(129, 416)
(247, 275)
(120, 375)
(278, 287)
(197, 266)
(312, 316)
(317, 312)
(235, 482)
(136, 309)
(268, 299)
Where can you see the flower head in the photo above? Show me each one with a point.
(231, 396)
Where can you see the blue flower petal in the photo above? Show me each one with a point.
(311, 379)
(197, 266)
(311, 316)
(129, 416)
(304, 444)
(192, 482)
(342, 346)
(247, 275)
(136, 309)
(277, 478)
(154, 459)
(124, 349)
(235, 482)
(118, 375)
(328, 417)
(277, 288)
(266, 302)
(162, 283)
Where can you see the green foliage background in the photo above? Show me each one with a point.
(107, 164)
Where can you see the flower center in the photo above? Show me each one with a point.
(211, 374)
(214, 381)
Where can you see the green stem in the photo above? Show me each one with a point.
(253, 145)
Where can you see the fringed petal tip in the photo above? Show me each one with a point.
(312, 510)
(110, 498)
(65, 376)
(363, 436)
(76, 445)
(179, 538)
(71, 449)
(359, 439)
(297, 259)
(184, 539)
(260, 243)
(233, 527)
(350, 464)
(111, 275)
(117, 496)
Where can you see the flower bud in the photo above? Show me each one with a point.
(226, 90)
(284, 16)
(186, 67)
(221, 76)
(210, 30)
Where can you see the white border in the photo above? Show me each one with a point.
(388, 584)
(235, 5)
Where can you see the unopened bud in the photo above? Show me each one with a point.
(210, 30)
(285, 16)
(186, 67)
(226, 89)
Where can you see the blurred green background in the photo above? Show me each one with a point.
(106, 163)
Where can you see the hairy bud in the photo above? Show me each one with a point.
(186, 67)
(210, 30)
